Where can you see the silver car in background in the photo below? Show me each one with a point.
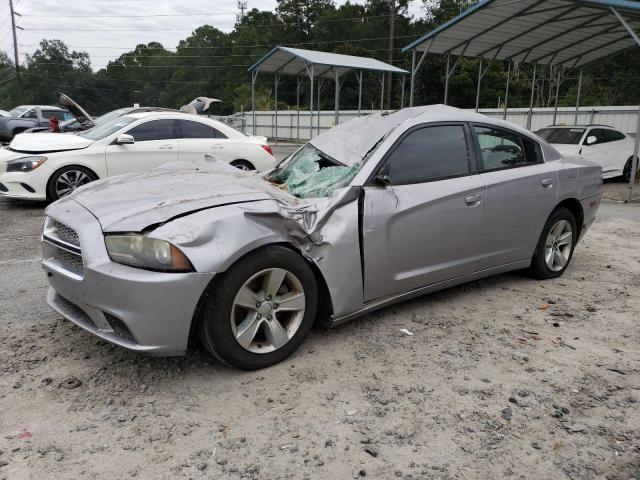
(377, 210)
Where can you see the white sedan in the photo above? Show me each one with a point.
(606, 146)
(41, 166)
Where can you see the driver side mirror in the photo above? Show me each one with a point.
(124, 139)
(591, 139)
(382, 179)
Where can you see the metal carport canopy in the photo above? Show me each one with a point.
(572, 33)
(301, 63)
(562, 33)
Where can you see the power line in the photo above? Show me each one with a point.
(235, 46)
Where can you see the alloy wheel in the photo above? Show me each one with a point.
(69, 181)
(268, 310)
(558, 246)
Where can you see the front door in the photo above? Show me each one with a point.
(420, 225)
(155, 143)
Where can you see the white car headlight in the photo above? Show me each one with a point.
(143, 252)
(25, 164)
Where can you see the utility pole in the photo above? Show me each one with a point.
(242, 5)
(15, 52)
(392, 28)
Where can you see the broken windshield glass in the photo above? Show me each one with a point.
(310, 173)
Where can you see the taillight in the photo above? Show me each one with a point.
(267, 149)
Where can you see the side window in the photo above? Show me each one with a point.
(429, 153)
(30, 114)
(502, 149)
(600, 135)
(153, 130)
(53, 113)
(613, 135)
(192, 129)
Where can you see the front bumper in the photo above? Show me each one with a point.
(137, 309)
(26, 185)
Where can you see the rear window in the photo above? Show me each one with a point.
(565, 136)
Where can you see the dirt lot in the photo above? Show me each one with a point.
(503, 378)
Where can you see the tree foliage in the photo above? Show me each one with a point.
(214, 63)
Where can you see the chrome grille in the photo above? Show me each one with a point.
(64, 233)
(70, 260)
(62, 246)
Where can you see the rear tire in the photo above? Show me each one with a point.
(555, 247)
(67, 179)
(244, 325)
(243, 165)
(626, 172)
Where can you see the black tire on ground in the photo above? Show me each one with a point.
(539, 268)
(18, 130)
(243, 165)
(52, 195)
(626, 172)
(214, 328)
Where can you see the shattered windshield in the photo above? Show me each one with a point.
(309, 173)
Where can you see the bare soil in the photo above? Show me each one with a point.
(502, 378)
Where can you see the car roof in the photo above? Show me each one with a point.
(48, 107)
(580, 126)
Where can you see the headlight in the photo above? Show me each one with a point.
(25, 164)
(144, 252)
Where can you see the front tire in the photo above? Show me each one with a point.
(555, 246)
(67, 179)
(260, 310)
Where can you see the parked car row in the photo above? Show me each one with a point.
(374, 211)
(48, 166)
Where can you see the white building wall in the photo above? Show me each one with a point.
(291, 126)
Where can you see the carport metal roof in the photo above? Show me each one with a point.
(557, 33)
(317, 65)
(295, 61)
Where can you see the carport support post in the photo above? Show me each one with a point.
(336, 77)
(555, 105)
(318, 107)
(298, 84)
(310, 72)
(382, 92)
(506, 92)
(478, 87)
(533, 92)
(413, 76)
(359, 92)
(276, 80)
(634, 161)
(575, 119)
(446, 80)
(402, 92)
(254, 74)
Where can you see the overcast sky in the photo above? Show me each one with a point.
(104, 37)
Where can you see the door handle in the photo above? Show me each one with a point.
(547, 183)
(216, 147)
(166, 147)
(472, 200)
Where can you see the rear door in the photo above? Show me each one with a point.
(420, 227)
(198, 139)
(599, 150)
(521, 193)
(155, 143)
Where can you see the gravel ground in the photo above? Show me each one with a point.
(502, 378)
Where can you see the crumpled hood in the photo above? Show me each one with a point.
(133, 202)
(48, 142)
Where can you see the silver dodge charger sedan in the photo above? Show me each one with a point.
(374, 211)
